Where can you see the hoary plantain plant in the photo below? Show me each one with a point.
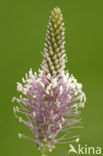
(50, 98)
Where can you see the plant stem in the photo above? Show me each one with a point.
(43, 154)
(43, 150)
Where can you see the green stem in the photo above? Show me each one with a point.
(43, 154)
(44, 151)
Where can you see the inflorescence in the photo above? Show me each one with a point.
(51, 98)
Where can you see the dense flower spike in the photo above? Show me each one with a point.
(54, 52)
(50, 99)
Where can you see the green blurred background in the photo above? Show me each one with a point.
(22, 35)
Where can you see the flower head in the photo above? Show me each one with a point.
(51, 98)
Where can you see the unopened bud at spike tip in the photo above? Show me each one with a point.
(54, 42)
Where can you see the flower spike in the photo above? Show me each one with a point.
(50, 100)
(54, 52)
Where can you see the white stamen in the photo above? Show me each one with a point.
(14, 99)
(51, 93)
(47, 91)
(76, 93)
(72, 85)
(19, 135)
(63, 119)
(38, 80)
(60, 126)
(79, 86)
(42, 84)
(57, 103)
(23, 80)
(19, 87)
(69, 96)
(26, 76)
(17, 108)
(54, 72)
(34, 96)
(48, 88)
(54, 82)
(31, 74)
(61, 90)
(14, 110)
(20, 119)
(21, 97)
(49, 76)
(82, 104)
(77, 140)
(34, 114)
(75, 105)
